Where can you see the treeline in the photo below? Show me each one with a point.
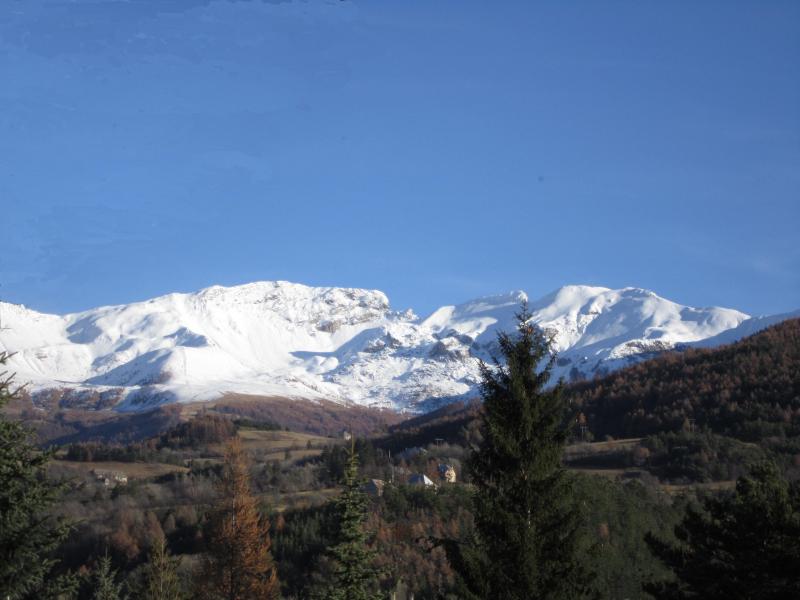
(147, 451)
(259, 425)
(198, 432)
(678, 457)
(749, 390)
(681, 456)
(456, 422)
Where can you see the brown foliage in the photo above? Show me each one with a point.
(239, 563)
(749, 390)
(61, 426)
(454, 422)
(200, 431)
(319, 417)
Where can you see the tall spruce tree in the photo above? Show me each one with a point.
(28, 536)
(353, 575)
(742, 545)
(239, 564)
(161, 580)
(526, 519)
(105, 585)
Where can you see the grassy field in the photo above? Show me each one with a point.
(133, 470)
(280, 440)
(302, 499)
(608, 473)
(274, 445)
(594, 448)
(262, 445)
(677, 489)
(584, 454)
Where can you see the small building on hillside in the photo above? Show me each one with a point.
(447, 473)
(374, 487)
(109, 478)
(421, 480)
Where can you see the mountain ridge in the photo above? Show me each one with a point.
(348, 345)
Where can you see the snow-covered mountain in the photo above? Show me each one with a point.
(347, 345)
(745, 328)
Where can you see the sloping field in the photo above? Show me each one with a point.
(280, 445)
(595, 448)
(133, 470)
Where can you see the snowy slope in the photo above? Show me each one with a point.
(744, 329)
(347, 345)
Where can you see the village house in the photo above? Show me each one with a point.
(110, 477)
(420, 480)
(447, 473)
(374, 487)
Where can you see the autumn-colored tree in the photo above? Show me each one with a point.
(239, 564)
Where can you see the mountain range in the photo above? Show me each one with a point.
(289, 340)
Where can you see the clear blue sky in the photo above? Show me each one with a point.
(437, 150)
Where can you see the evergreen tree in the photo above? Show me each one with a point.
(526, 519)
(28, 536)
(353, 575)
(239, 564)
(105, 584)
(740, 545)
(161, 574)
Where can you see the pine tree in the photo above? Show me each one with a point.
(105, 584)
(526, 520)
(353, 576)
(28, 536)
(740, 545)
(239, 564)
(161, 580)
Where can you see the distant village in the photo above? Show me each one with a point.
(446, 473)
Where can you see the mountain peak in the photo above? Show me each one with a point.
(342, 344)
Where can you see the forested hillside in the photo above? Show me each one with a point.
(749, 390)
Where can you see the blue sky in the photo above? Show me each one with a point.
(438, 151)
